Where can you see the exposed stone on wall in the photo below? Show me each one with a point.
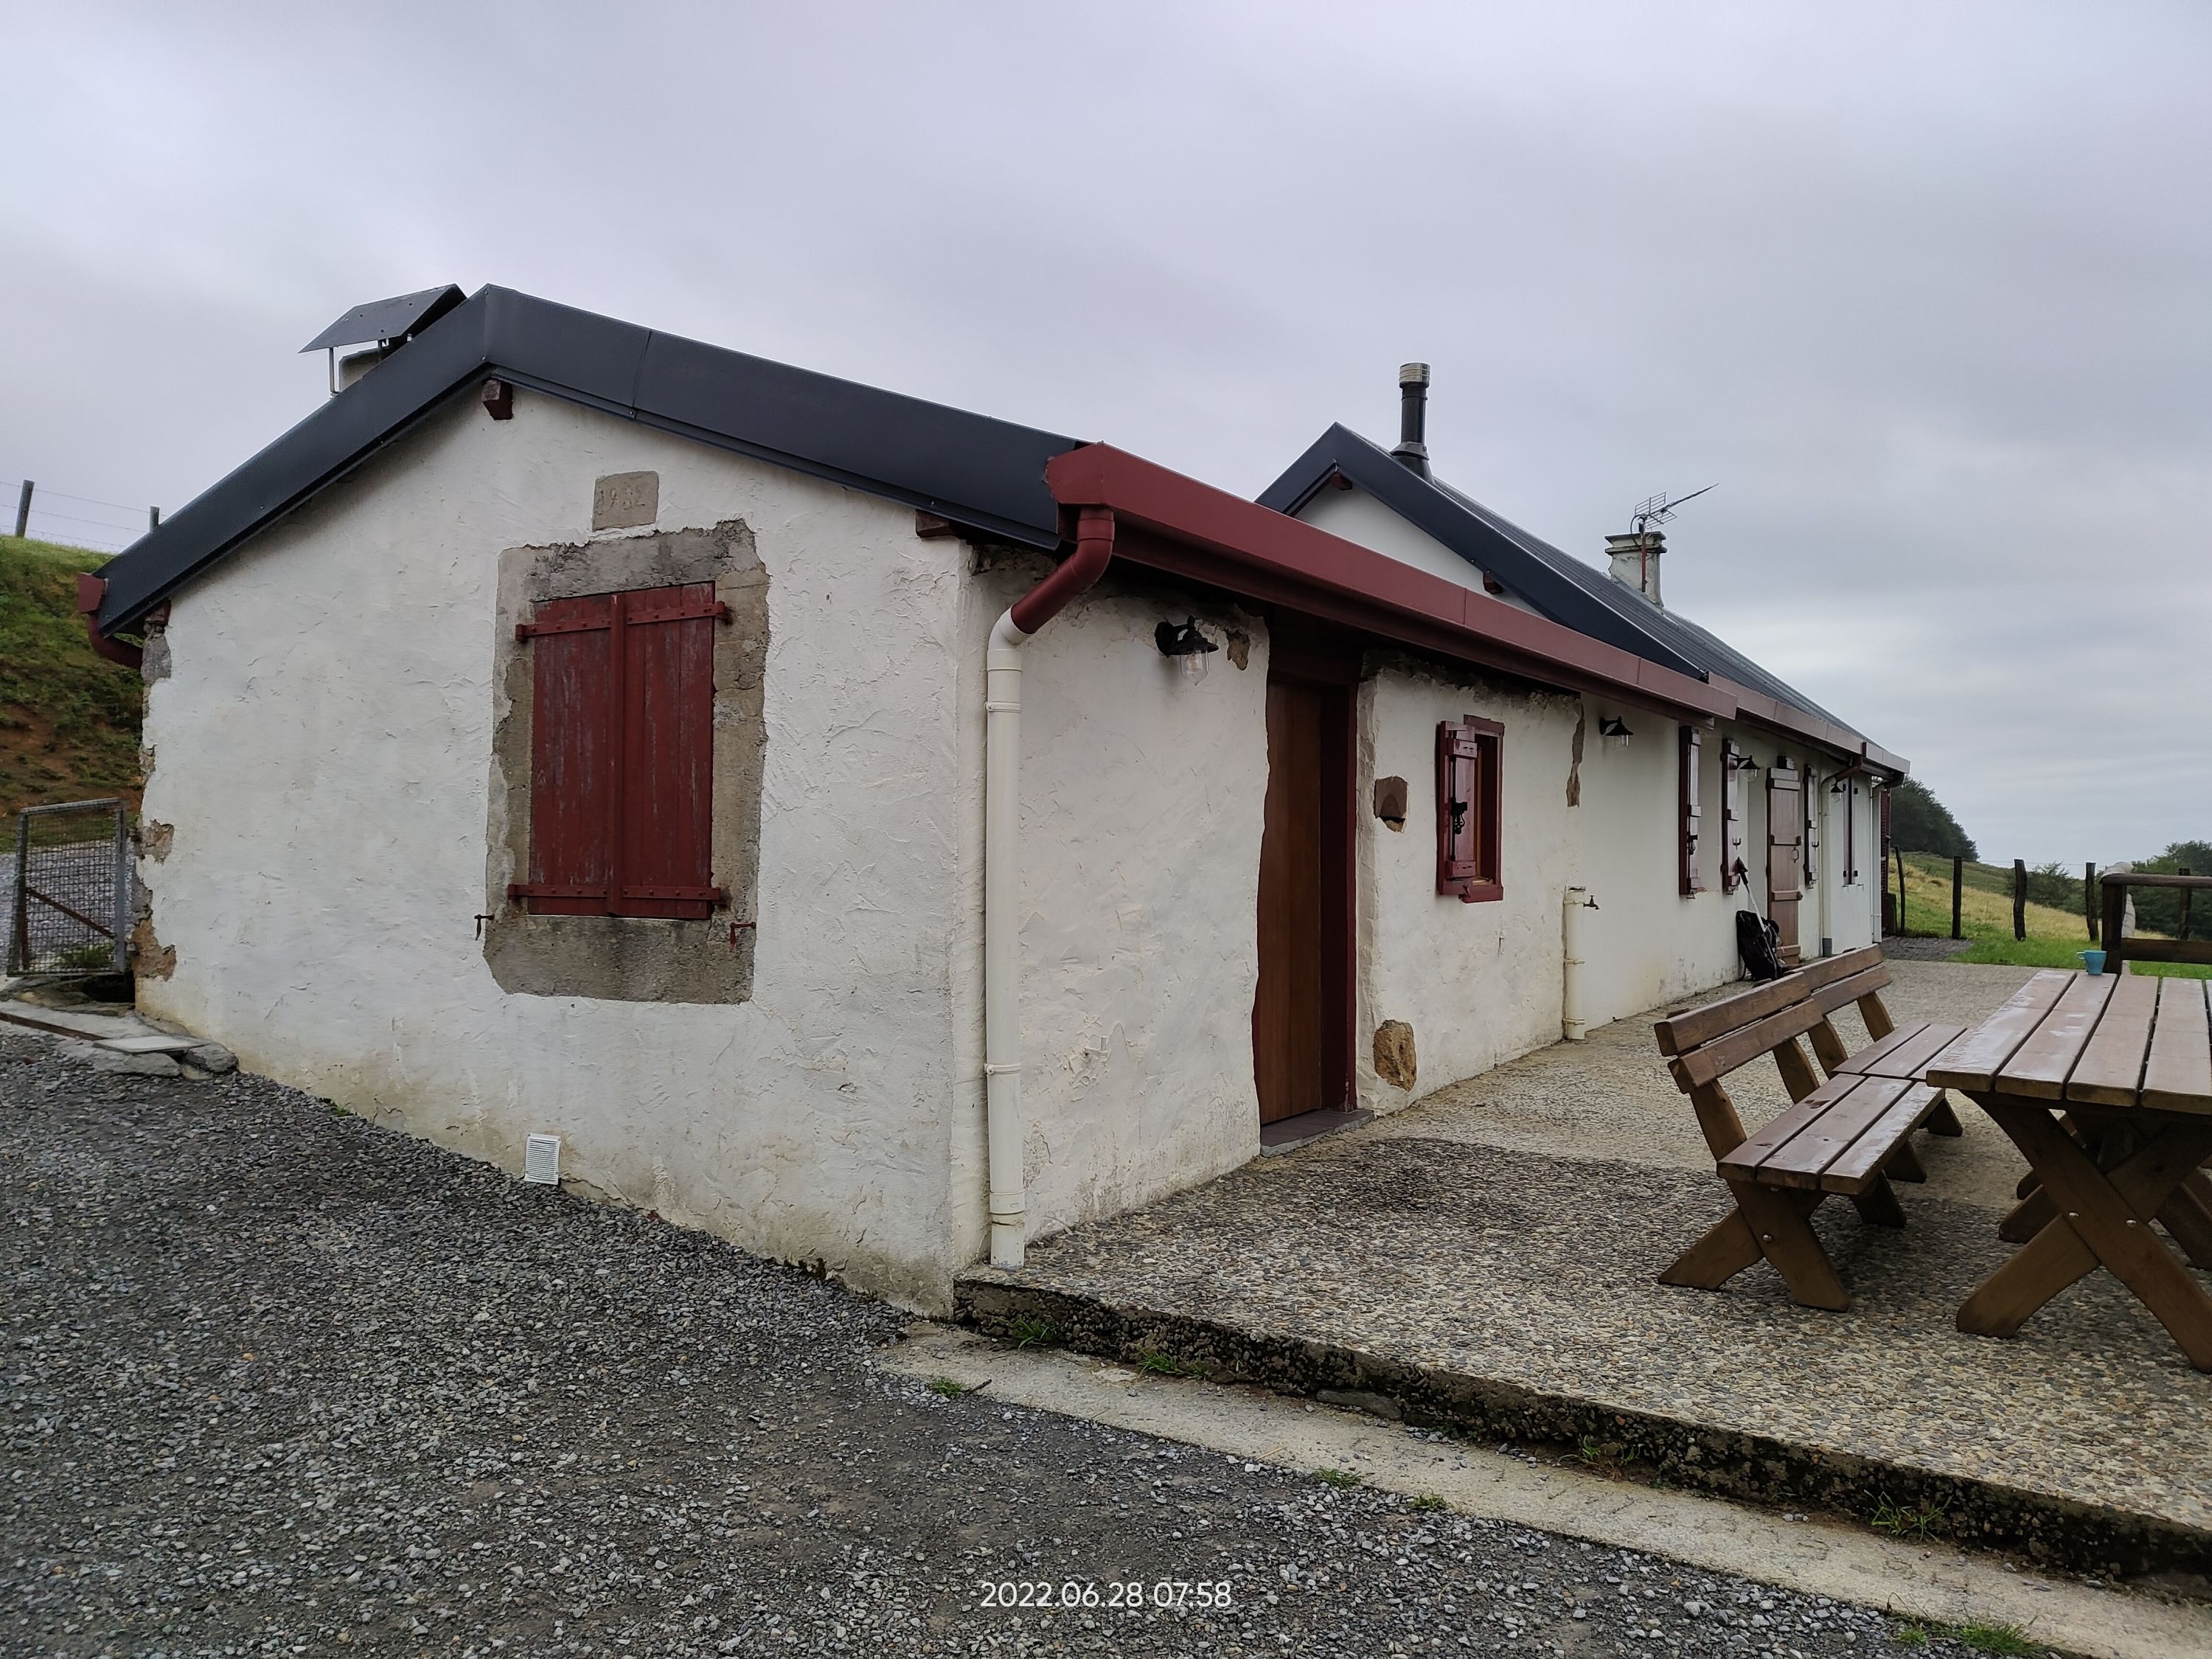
(1575, 761)
(1394, 1054)
(149, 958)
(1390, 801)
(156, 838)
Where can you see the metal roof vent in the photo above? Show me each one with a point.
(389, 323)
(1412, 448)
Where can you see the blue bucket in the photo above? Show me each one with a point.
(2094, 962)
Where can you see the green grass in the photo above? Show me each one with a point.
(1166, 1365)
(2001, 1640)
(1428, 1504)
(1342, 1479)
(69, 720)
(1923, 1520)
(2055, 938)
(1032, 1333)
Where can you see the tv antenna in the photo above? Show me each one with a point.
(1658, 510)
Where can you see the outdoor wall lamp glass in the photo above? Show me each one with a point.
(1186, 646)
(1614, 729)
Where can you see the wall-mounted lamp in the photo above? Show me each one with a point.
(1185, 645)
(1746, 763)
(1614, 729)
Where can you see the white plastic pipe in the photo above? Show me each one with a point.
(1002, 898)
(1574, 1013)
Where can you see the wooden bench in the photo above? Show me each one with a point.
(1850, 1135)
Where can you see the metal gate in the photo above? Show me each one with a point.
(68, 896)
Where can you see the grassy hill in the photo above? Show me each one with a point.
(2055, 934)
(69, 720)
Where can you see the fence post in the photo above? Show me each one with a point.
(2020, 898)
(153, 519)
(1958, 882)
(2182, 932)
(1898, 852)
(123, 873)
(2089, 897)
(18, 953)
(23, 509)
(2116, 924)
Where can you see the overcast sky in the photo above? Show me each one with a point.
(1922, 288)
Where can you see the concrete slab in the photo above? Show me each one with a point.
(1818, 1558)
(1490, 1259)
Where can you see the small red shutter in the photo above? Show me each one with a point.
(1692, 754)
(569, 780)
(1459, 788)
(668, 752)
(1731, 816)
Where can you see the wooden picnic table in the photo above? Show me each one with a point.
(2105, 1084)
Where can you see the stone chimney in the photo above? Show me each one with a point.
(1636, 561)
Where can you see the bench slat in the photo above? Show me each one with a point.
(1843, 964)
(1866, 1060)
(2110, 1072)
(1973, 1062)
(1717, 1058)
(2040, 1065)
(1829, 998)
(1743, 1163)
(1683, 1030)
(1859, 1169)
(1910, 1058)
(1806, 1158)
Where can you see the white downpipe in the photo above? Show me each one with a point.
(1002, 898)
(1574, 1008)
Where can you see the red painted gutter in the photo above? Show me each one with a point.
(1094, 546)
(1175, 524)
(90, 589)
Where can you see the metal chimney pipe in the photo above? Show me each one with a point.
(1412, 448)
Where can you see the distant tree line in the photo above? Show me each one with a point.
(1918, 823)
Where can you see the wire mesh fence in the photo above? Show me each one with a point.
(68, 889)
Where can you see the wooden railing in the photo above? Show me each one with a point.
(2133, 949)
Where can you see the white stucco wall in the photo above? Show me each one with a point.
(1143, 799)
(322, 748)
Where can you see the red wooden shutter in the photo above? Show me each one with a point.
(622, 754)
(1731, 816)
(1469, 809)
(570, 754)
(668, 753)
(1812, 827)
(1458, 785)
(1692, 756)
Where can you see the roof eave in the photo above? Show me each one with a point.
(1192, 529)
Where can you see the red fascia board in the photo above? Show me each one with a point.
(1757, 707)
(1176, 524)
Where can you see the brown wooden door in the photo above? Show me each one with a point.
(1785, 853)
(1302, 1014)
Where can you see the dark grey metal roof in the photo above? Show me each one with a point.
(983, 474)
(388, 319)
(1562, 587)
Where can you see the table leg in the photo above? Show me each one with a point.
(2188, 1217)
(2102, 1219)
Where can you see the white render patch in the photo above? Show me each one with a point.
(541, 1160)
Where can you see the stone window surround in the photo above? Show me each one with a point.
(631, 958)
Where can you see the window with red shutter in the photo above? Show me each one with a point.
(622, 754)
(1693, 749)
(1469, 865)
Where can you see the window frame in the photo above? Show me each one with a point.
(1470, 853)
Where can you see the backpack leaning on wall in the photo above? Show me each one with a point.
(1758, 940)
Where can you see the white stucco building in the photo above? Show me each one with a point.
(570, 729)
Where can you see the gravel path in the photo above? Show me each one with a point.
(276, 1382)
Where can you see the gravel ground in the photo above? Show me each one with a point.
(277, 1382)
